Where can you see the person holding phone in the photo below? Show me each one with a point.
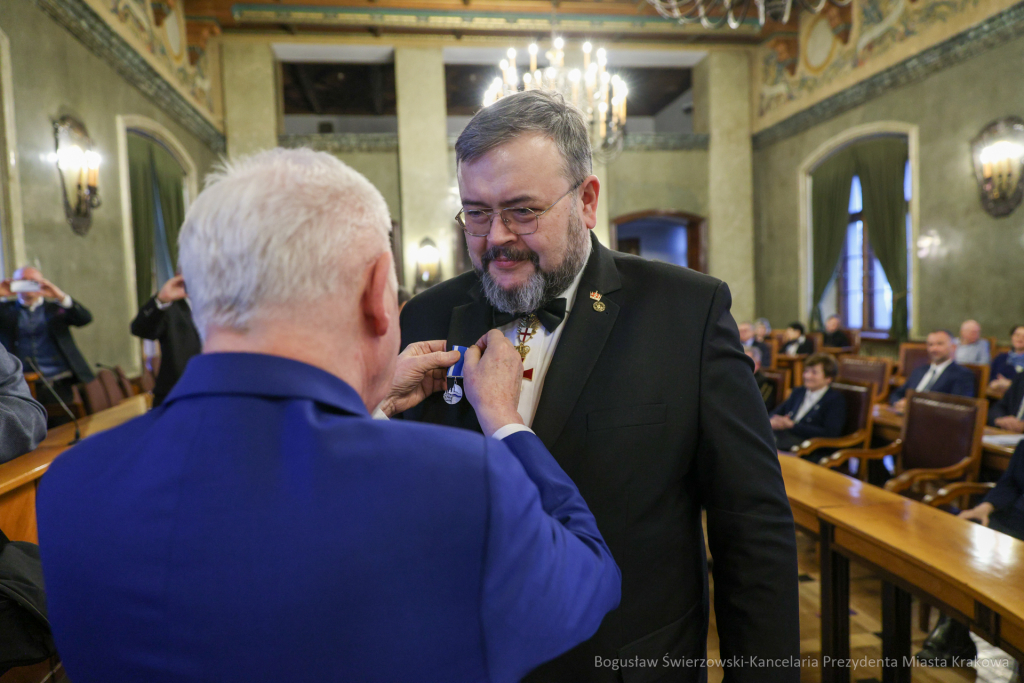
(167, 318)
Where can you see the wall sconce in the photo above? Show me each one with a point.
(78, 166)
(428, 265)
(999, 165)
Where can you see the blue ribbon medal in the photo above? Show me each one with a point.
(454, 393)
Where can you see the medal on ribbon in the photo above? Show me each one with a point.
(454, 393)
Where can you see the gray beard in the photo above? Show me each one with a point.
(542, 287)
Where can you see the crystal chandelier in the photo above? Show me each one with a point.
(600, 95)
(715, 13)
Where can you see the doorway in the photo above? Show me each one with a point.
(668, 236)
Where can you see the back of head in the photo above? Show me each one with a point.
(798, 326)
(827, 361)
(280, 228)
(530, 111)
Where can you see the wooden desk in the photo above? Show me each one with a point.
(19, 477)
(812, 488)
(888, 425)
(795, 364)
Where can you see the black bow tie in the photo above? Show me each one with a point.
(550, 315)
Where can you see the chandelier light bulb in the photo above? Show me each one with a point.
(533, 48)
(587, 47)
(511, 54)
(574, 75)
(602, 56)
(504, 65)
(559, 43)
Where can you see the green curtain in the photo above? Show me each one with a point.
(140, 176)
(830, 215)
(881, 164)
(170, 184)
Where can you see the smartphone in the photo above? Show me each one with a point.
(25, 286)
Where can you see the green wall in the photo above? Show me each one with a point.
(381, 169)
(976, 271)
(670, 180)
(53, 75)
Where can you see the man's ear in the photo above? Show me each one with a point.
(588, 201)
(377, 295)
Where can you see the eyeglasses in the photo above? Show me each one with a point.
(518, 219)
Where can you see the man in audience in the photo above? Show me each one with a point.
(22, 419)
(1008, 412)
(167, 318)
(813, 410)
(36, 329)
(259, 526)
(943, 374)
(796, 341)
(1007, 365)
(766, 386)
(970, 347)
(834, 336)
(762, 328)
(748, 340)
(611, 368)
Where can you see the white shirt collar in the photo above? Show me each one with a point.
(942, 367)
(815, 396)
(35, 304)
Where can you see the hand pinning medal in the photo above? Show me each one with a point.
(599, 305)
(454, 393)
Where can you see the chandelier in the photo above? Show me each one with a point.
(600, 95)
(714, 14)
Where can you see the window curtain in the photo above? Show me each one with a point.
(830, 214)
(170, 185)
(140, 175)
(881, 164)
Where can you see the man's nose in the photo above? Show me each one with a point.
(500, 233)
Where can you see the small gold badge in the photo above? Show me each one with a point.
(599, 306)
(595, 296)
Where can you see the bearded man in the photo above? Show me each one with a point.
(636, 382)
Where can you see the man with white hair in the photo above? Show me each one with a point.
(259, 526)
(970, 347)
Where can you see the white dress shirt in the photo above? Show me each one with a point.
(934, 372)
(66, 302)
(793, 347)
(542, 350)
(811, 399)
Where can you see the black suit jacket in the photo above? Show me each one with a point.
(806, 347)
(651, 407)
(59, 321)
(1009, 404)
(178, 337)
(836, 339)
(955, 379)
(825, 419)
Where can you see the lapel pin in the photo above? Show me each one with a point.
(599, 305)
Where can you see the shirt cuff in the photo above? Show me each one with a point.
(161, 305)
(509, 430)
(379, 414)
(66, 302)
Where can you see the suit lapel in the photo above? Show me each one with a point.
(582, 341)
(470, 321)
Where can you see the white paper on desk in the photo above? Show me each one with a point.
(1002, 439)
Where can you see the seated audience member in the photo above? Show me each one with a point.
(767, 387)
(970, 347)
(22, 419)
(167, 318)
(943, 375)
(1006, 366)
(762, 328)
(403, 298)
(36, 329)
(1008, 412)
(833, 335)
(813, 410)
(748, 339)
(1002, 509)
(260, 526)
(796, 341)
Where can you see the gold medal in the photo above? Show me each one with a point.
(599, 306)
(528, 327)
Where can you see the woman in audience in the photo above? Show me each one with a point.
(1005, 366)
(762, 328)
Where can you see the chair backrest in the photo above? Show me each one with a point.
(111, 385)
(941, 430)
(912, 356)
(859, 398)
(876, 371)
(854, 336)
(95, 395)
(818, 339)
(782, 386)
(981, 373)
(773, 345)
(992, 346)
(146, 380)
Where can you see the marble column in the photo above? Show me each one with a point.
(730, 176)
(601, 229)
(250, 97)
(428, 208)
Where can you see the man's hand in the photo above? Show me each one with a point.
(420, 371)
(494, 378)
(173, 290)
(50, 290)
(5, 288)
(978, 514)
(1000, 383)
(1010, 424)
(900, 405)
(780, 422)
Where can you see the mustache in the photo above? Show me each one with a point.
(509, 253)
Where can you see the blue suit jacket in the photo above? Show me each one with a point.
(259, 526)
(825, 419)
(955, 379)
(1009, 404)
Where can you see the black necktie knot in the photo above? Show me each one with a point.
(550, 315)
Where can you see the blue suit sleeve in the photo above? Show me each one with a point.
(1011, 485)
(788, 406)
(833, 419)
(549, 577)
(965, 384)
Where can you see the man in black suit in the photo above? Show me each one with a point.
(1008, 412)
(167, 317)
(943, 375)
(813, 410)
(748, 340)
(636, 381)
(834, 336)
(796, 341)
(37, 326)
(766, 386)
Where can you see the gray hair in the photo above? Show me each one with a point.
(764, 322)
(530, 111)
(754, 353)
(281, 227)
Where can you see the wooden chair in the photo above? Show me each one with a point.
(782, 385)
(839, 351)
(981, 373)
(111, 384)
(992, 345)
(857, 431)
(940, 443)
(912, 356)
(96, 398)
(773, 346)
(818, 339)
(31, 378)
(876, 371)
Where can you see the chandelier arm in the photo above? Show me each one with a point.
(841, 3)
(733, 22)
(813, 8)
(708, 23)
(671, 10)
